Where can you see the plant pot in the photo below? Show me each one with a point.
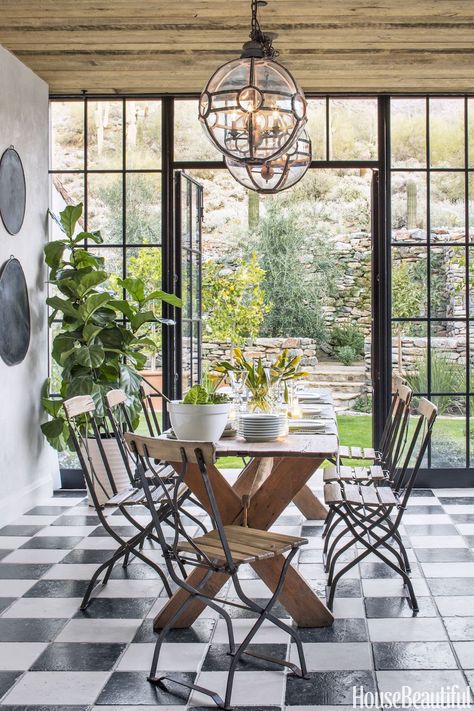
(201, 423)
(155, 378)
(116, 464)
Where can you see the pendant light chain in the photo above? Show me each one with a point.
(257, 35)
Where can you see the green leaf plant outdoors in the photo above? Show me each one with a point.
(259, 378)
(100, 339)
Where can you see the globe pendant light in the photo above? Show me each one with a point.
(252, 109)
(278, 174)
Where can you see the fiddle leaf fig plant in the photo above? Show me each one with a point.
(100, 340)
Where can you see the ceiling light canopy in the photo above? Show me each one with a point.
(252, 109)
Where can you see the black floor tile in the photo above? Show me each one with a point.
(470, 541)
(444, 555)
(124, 531)
(200, 632)
(413, 655)
(462, 518)
(7, 679)
(422, 492)
(4, 553)
(398, 607)
(26, 531)
(58, 588)
(6, 602)
(133, 688)
(78, 555)
(290, 520)
(69, 493)
(76, 521)
(451, 586)
(135, 571)
(53, 542)
(312, 531)
(217, 658)
(435, 529)
(116, 607)
(425, 510)
(236, 708)
(23, 571)
(48, 510)
(342, 630)
(349, 587)
(45, 708)
(278, 610)
(71, 656)
(460, 629)
(456, 500)
(315, 555)
(327, 688)
(29, 630)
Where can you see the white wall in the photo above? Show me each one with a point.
(27, 464)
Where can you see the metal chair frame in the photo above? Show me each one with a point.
(201, 454)
(83, 407)
(365, 522)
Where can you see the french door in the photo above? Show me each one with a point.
(188, 270)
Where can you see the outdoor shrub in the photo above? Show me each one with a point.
(363, 404)
(346, 354)
(350, 336)
(446, 376)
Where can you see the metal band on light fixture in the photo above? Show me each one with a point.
(252, 109)
(275, 175)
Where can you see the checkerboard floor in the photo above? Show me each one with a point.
(52, 656)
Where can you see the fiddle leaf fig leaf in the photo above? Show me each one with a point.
(90, 356)
(53, 253)
(69, 218)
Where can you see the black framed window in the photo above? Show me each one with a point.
(431, 199)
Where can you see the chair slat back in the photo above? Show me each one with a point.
(395, 426)
(147, 395)
(414, 452)
(170, 450)
(117, 414)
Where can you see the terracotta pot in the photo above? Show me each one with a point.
(155, 378)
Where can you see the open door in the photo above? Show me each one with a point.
(188, 253)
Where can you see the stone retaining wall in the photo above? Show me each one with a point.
(266, 348)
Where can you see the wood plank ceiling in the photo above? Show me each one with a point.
(139, 46)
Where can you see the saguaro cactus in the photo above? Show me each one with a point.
(411, 204)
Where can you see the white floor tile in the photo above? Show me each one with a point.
(334, 656)
(438, 542)
(419, 680)
(174, 657)
(15, 588)
(97, 543)
(19, 655)
(35, 520)
(467, 529)
(32, 607)
(267, 634)
(419, 519)
(35, 555)
(448, 570)
(348, 607)
(11, 542)
(407, 629)
(452, 492)
(455, 605)
(459, 508)
(465, 652)
(392, 587)
(57, 688)
(254, 688)
(71, 571)
(114, 630)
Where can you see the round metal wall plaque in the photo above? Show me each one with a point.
(12, 191)
(15, 327)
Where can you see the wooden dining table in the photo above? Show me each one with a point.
(277, 473)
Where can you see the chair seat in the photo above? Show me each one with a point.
(246, 544)
(335, 493)
(362, 474)
(349, 452)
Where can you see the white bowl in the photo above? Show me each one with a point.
(199, 423)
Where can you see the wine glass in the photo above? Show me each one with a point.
(238, 379)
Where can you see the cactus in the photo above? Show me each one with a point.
(411, 204)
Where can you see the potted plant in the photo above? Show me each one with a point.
(260, 379)
(202, 414)
(100, 339)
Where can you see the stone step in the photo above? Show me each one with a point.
(351, 386)
(336, 372)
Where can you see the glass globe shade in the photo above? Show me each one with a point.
(252, 109)
(278, 174)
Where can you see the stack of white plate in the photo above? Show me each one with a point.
(262, 426)
(308, 426)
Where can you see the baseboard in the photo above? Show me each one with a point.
(13, 506)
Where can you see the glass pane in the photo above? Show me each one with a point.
(66, 189)
(471, 288)
(353, 129)
(145, 263)
(471, 430)
(186, 285)
(143, 139)
(230, 210)
(113, 265)
(196, 280)
(408, 207)
(408, 132)
(186, 355)
(470, 109)
(447, 208)
(67, 135)
(409, 285)
(448, 440)
(448, 283)
(143, 205)
(195, 353)
(104, 135)
(448, 358)
(446, 133)
(471, 206)
(105, 206)
(409, 348)
(316, 127)
(190, 141)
